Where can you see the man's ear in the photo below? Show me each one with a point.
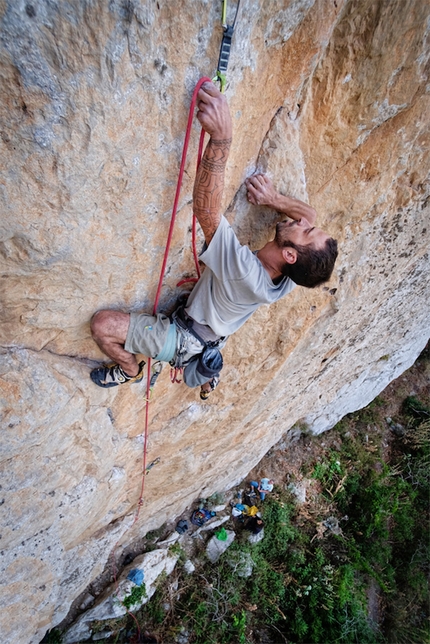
(289, 255)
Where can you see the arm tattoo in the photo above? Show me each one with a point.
(209, 186)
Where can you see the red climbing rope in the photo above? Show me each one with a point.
(163, 267)
(157, 297)
(178, 190)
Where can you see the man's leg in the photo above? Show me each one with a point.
(109, 330)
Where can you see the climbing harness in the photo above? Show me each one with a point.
(202, 357)
(224, 53)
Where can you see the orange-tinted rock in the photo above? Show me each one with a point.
(331, 99)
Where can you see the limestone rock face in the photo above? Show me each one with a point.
(329, 98)
(111, 604)
(215, 547)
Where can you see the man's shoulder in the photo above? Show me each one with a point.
(225, 228)
(226, 238)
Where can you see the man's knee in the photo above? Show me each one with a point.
(107, 324)
(99, 324)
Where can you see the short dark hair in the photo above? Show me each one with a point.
(313, 266)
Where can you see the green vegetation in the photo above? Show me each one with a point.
(351, 566)
(312, 583)
(135, 597)
(53, 637)
(176, 549)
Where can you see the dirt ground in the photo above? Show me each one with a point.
(285, 460)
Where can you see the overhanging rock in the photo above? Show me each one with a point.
(331, 100)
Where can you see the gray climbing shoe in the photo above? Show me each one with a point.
(112, 375)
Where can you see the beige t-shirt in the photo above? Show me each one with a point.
(233, 285)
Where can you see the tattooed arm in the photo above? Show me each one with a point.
(214, 117)
(209, 186)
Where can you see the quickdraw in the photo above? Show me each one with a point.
(224, 53)
(156, 369)
(151, 465)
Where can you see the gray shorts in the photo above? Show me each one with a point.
(148, 334)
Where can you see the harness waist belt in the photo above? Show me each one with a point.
(202, 332)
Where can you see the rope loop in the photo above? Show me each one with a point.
(205, 79)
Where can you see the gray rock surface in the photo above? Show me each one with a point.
(189, 567)
(215, 547)
(110, 606)
(256, 538)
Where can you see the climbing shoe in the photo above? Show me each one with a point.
(204, 395)
(112, 375)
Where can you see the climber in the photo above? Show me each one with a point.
(235, 282)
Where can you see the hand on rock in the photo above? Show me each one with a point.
(260, 190)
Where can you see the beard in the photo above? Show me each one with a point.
(281, 233)
(278, 234)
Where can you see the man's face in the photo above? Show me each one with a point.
(301, 233)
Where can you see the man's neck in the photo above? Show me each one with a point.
(269, 258)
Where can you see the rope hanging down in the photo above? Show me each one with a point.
(163, 267)
(221, 77)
